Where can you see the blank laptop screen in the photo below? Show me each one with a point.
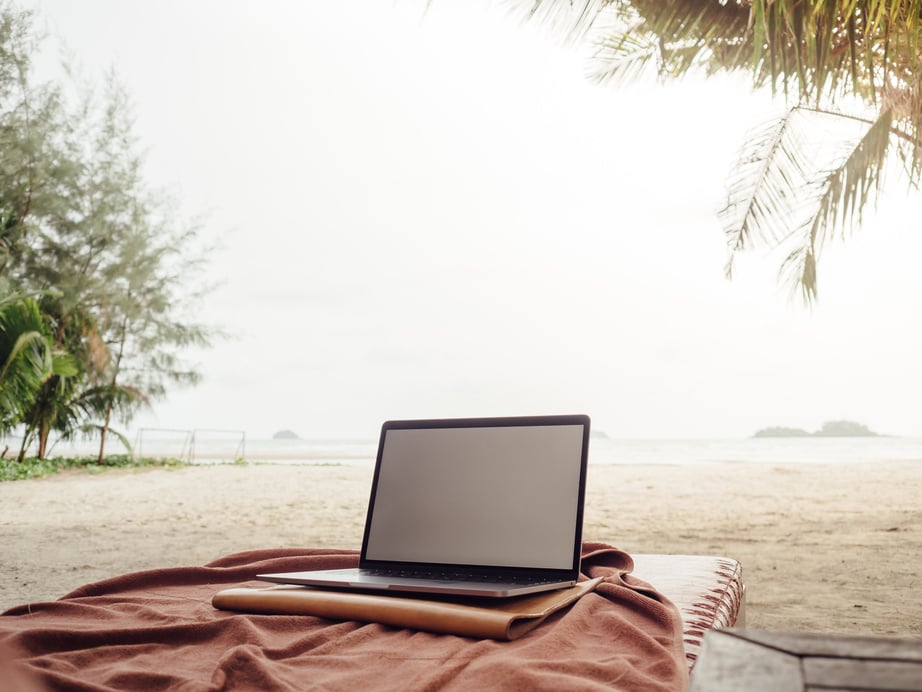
(493, 496)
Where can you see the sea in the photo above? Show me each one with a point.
(209, 447)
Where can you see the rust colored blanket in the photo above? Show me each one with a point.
(158, 630)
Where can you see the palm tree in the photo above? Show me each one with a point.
(29, 363)
(849, 62)
(25, 357)
(64, 400)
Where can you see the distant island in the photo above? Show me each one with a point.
(836, 428)
(285, 435)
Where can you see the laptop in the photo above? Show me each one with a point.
(470, 506)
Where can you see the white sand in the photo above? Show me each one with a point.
(824, 548)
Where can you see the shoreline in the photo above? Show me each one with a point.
(276, 459)
(824, 547)
(603, 451)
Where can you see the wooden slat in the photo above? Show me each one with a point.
(752, 660)
(834, 645)
(730, 664)
(863, 674)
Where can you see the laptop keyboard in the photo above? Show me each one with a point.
(455, 575)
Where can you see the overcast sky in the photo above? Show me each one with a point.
(436, 214)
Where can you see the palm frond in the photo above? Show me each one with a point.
(95, 401)
(677, 37)
(90, 430)
(788, 191)
(906, 105)
(25, 358)
(22, 373)
(624, 57)
(857, 182)
(766, 185)
(846, 190)
(573, 19)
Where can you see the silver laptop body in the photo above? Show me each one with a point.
(471, 506)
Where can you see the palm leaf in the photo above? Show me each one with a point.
(573, 19)
(675, 36)
(785, 194)
(90, 430)
(822, 54)
(847, 189)
(25, 358)
(624, 57)
(95, 401)
(766, 186)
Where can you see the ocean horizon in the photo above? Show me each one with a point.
(206, 447)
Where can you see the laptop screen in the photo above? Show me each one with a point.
(500, 495)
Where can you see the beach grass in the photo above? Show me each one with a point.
(32, 467)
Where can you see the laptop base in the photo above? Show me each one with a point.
(360, 579)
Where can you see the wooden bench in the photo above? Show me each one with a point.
(739, 659)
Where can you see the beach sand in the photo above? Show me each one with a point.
(823, 548)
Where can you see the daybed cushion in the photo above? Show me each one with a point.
(707, 590)
(158, 629)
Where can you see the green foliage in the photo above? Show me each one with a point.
(845, 428)
(837, 428)
(781, 431)
(33, 467)
(110, 262)
(27, 357)
(856, 61)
